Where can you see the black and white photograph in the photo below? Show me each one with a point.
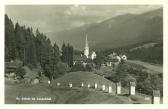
(83, 54)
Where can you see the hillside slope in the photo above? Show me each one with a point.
(86, 77)
(65, 95)
(116, 32)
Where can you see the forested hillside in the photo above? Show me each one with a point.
(152, 54)
(35, 49)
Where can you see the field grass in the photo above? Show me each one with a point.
(65, 95)
(151, 68)
(86, 77)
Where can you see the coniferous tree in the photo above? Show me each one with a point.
(22, 44)
(63, 52)
(67, 54)
(10, 43)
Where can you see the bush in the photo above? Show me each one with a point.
(62, 68)
(81, 67)
(114, 78)
(89, 67)
(30, 66)
(145, 82)
(153, 82)
(20, 71)
(133, 98)
(56, 70)
(126, 81)
(78, 67)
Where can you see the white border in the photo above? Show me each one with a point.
(97, 2)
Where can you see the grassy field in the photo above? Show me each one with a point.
(151, 68)
(87, 77)
(65, 95)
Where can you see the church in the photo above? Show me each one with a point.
(87, 56)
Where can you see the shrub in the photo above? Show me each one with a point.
(78, 67)
(133, 98)
(89, 67)
(20, 71)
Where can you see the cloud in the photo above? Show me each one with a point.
(76, 10)
(55, 18)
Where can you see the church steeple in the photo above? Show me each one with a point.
(86, 42)
(86, 49)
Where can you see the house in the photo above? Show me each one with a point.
(11, 67)
(93, 55)
(113, 59)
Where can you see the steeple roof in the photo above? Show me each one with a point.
(86, 42)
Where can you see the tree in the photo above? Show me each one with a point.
(35, 49)
(100, 59)
(56, 53)
(62, 69)
(10, 42)
(67, 54)
(89, 67)
(20, 71)
(63, 57)
(157, 82)
(77, 67)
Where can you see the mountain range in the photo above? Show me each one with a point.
(119, 31)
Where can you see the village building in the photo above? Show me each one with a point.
(11, 67)
(87, 56)
(114, 59)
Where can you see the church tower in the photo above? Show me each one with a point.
(86, 49)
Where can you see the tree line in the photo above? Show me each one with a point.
(35, 49)
(145, 82)
(150, 54)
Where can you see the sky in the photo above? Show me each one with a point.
(55, 18)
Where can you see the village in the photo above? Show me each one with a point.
(113, 60)
(83, 54)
